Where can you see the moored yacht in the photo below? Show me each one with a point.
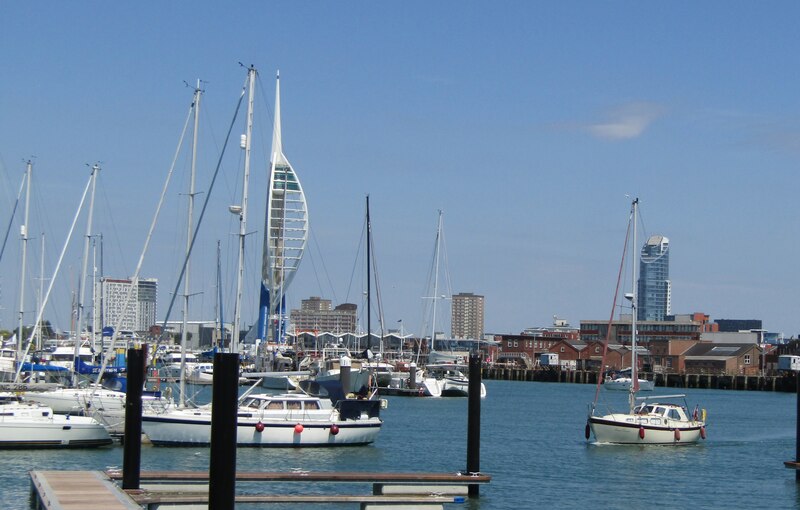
(290, 419)
(31, 425)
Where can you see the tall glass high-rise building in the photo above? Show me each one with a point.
(654, 288)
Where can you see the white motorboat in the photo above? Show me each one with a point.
(31, 425)
(290, 419)
(645, 423)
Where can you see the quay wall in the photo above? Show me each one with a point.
(785, 383)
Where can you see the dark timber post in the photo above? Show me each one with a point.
(132, 453)
(224, 405)
(474, 422)
(797, 430)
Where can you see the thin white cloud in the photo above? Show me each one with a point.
(626, 122)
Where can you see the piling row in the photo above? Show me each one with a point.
(783, 383)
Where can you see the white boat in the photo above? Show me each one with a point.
(203, 373)
(451, 380)
(263, 420)
(31, 425)
(622, 382)
(652, 423)
(168, 362)
(655, 423)
(79, 400)
(424, 386)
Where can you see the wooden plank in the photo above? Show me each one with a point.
(78, 490)
(311, 476)
(152, 498)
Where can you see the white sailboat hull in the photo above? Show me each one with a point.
(26, 426)
(193, 427)
(629, 429)
(79, 400)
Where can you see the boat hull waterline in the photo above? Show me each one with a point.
(630, 429)
(196, 430)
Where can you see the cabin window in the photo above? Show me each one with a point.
(746, 359)
(275, 405)
(674, 415)
(312, 405)
(293, 404)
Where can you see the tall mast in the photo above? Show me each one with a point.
(242, 210)
(40, 296)
(634, 361)
(24, 238)
(436, 281)
(82, 282)
(369, 286)
(189, 235)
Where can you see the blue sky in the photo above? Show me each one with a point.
(527, 123)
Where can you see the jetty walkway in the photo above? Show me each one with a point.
(784, 383)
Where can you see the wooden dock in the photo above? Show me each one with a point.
(77, 490)
(88, 490)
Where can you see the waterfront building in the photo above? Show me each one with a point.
(736, 325)
(654, 286)
(467, 319)
(525, 349)
(718, 358)
(140, 312)
(665, 341)
(318, 315)
(200, 334)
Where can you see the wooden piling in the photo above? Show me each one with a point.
(474, 423)
(132, 448)
(224, 405)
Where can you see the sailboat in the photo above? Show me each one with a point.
(648, 420)
(446, 368)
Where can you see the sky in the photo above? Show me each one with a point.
(529, 124)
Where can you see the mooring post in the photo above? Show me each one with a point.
(344, 374)
(797, 428)
(412, 376)
(224, 406)
(474, 423)
(132, 452)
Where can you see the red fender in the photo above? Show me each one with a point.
(641, 432)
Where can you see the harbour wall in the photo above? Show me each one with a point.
(784, 383)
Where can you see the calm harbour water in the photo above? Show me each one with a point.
(532, 444)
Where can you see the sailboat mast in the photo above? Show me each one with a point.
(189, 235)
(369, 283)
(436, 280)
(82, 282)
(24, 238)
(251, 78)
(634, 360)
(41, 295)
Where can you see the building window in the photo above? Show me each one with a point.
(596, 350)
(509, 343)
(562, 348)
(746, 359)
(669, 362)
(515, 343)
